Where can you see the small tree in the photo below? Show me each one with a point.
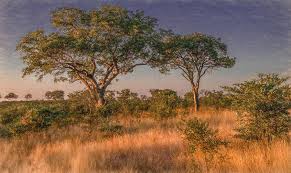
(201, 138)
(195, 55)
(262, 104)
(93, 47)
(11, 96)
(28, 96)
(163, 103)
(55, 95)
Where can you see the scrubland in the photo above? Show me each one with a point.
(139, 144)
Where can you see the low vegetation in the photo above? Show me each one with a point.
(145, 144)
(262, 105)
(246, 131)
(240, 128)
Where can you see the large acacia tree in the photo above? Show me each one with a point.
(93, 47)
(195, 55)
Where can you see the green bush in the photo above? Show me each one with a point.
(187, 100)
(164, 103)
(4, 132)
(110, 109)
(201, 137)
(80, 102)
(19, 119)
(262, 105)
(130, 103)
(46, 116)
(215, 99)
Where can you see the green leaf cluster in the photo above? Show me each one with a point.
(262, 105)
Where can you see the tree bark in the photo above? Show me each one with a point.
(100, 100)
(195, 98)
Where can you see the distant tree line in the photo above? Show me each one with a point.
(49, 95)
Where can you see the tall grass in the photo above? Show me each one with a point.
(146, 145)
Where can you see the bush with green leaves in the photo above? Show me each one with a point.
(215, 99)
(110, 109)
(80, 102)
(19, 119)
(164, 103)
(131, 103)
(201, 138)
(187, 100)
(262, 105)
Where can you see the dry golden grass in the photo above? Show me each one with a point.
(147, 145)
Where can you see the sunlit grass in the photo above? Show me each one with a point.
(146, 145)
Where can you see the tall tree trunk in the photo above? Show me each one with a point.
(195, 98)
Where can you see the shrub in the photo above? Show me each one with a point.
(187, 100)
(23, 118)
(215, 99)
(201, 138)
(11, 115)
(163, 103)
(130, 103)
(45, 117)
(80, 102)
(262, 105)
(110, 109)
(5, 132)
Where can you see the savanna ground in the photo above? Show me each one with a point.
(144, 144)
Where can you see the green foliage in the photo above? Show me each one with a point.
(164, 103)
(19, 118)
(187, 100)
(81, 102)
(4, 132)
(55, 95)
(262, 104)
(215, 99)
(108, 110)
(93, 47)
(201, 137)
(46, 116)
(130, 103)
(194, 55)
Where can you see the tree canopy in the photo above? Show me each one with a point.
(55, 95)
(28, 96)
(11, 95)
(195, 55)
(93, 47)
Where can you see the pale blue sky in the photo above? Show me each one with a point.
(257, 32)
